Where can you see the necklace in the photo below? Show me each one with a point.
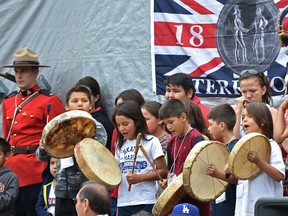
(176, 155)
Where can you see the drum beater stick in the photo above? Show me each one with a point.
(138, 140)
(151, 163)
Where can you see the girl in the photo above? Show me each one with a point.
(254, 87)
(126, 95)
(130, 95)
(155, 125)
(256, 117)
(129, 121)
(281, 136)
(196, 118)
(98, 110)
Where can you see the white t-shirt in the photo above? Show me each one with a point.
(51, 200)
(249, 191)
(143, 192)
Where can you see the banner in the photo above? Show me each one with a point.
(213, 41)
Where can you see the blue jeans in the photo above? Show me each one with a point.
(113, 207)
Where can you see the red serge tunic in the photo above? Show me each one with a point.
(27, 131)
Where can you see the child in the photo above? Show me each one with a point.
(130, 95)
(222, 119)
(8, 182)
(174, 116)
(181, 87)
(98, 110)
(256, 117)
(155, 125)
(126, 95)
(69, 176)
(46, 201)
(129, 122)
(196, 118)
(183, 209)
(255, 87)
(281, 137)
(157, 128)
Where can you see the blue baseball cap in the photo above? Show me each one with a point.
(184, 209)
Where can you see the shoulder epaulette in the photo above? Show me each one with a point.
(46, 92)
(11, 94)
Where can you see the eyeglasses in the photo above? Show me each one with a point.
(252, 72)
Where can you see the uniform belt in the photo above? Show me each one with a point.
(23, 149)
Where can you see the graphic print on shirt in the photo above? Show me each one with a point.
(127, 159)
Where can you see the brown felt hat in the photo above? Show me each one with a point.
(25, 58)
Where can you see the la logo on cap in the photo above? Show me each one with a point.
(182, 209)
(185, 209)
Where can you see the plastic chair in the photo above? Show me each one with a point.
(271, 206)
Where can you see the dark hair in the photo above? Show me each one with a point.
(262, 79)
(4, 146)
(172, 108)
(78, 88)
(132, 110)
(130, 95)
(196, 118)
(283, 39)
(181, 79)
(262, 116)
(94, 86)
(223, 113)
(98, 196)
(152, 107)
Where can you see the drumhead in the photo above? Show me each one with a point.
(64, 131)
(196, 182)
(97, 162)
(171, 196)
(238, 163)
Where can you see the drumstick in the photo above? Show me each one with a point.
(8, 76)
(138, 139)
(146, 155)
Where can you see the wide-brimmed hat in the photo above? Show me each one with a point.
(25, 58)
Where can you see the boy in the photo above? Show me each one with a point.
(8, 182)
(181, 87)
(184, 137)
(69, 176)
(222, 119)
(47, 200)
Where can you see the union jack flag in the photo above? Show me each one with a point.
(185, 41)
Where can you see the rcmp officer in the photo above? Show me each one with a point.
(25, 113)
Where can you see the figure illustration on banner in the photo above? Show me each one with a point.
(240, 48)
(259, 25)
